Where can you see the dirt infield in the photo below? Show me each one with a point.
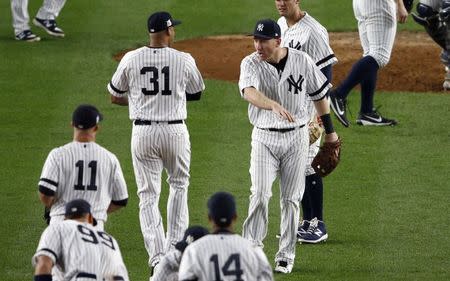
(414, 65)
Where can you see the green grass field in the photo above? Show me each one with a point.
(386, 206)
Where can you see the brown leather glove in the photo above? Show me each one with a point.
(327, 158)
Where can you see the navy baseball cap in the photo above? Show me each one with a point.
(160, 21)
(191, 234)
(78, 207)
(86, 116)
(222, 208)
(266, 29)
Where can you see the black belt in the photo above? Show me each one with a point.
(147, 122)
(86, 275)
(281, 130)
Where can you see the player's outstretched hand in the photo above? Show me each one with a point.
(282, 112)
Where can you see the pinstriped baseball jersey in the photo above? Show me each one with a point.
(300, 82)
(310, 36)
(78, 249)
(156, 80)
(167, 269)
(83, 170)
(224, 257)
(435, 4)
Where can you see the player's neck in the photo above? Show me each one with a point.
(83, 137)
(159, 43)
(278, 55)
(296, 17)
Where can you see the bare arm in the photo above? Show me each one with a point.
(402, 13)
(123, 101)
(258, 99)
(323, 107)
(43, 266)
(116, 205)
(46, 200)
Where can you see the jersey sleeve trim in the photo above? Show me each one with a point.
(325, 59)
(46, 191)
(115, 90)
(47, 252)
(49, 181)
(123, 202)
(320, 90)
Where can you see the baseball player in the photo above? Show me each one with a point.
(223, 255)
(377, 25)
(301, 31)
(436, 27)
(167, 269)
(45, 18)
(278, 83)
(80, 251)
(155, 82)
(83, 169)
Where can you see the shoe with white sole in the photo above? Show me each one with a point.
(49, 26)
(339, 107)
(27, 36)
(316, 232)
(374, 119)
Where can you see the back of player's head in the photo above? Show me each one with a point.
(86, 116)
(78, 208)
(222, 208)
(191, 234)
(160, 21)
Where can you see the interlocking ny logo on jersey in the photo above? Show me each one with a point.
(297, 46)
(260, 27)
(295, 85)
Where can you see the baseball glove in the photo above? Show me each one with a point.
(315, 131)
(327, 158)
(408, 5)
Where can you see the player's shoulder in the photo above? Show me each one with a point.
(251, 59)
(282, 23)
(313, 24)
(181, 54)
(298, 54)
(130, 55)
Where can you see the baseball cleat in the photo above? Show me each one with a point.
(338, 106)
(302, 228)
(316, 233)
(49, 26)
(374, 119)
(27, 36)
(283, 267)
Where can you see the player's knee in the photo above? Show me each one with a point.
(382, 58)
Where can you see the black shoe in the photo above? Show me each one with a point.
(374, 119)
(27, 36)
(49, 26)
(338, 106)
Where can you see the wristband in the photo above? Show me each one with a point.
(43, 277)
(327, 124)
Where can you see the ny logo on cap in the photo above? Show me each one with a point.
(260, 27)
(169, 23)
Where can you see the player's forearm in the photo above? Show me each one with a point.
(46, 200)
(123, 101)
(43, 266)
(323, 110)
(322, 107)
(116, 205)
(257, 98)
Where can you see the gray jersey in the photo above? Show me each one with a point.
(310, 36)
(224, 257)
(300, 82)
(156, 80)
(83, 170)
(78, 249)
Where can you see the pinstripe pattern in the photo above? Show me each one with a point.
(197, 259)
(377, 25)
(264, 77)
(159, 146)
(61, 174)
(168, 267)
(50, 10)
(275, 153)
(310, 36)
(435, 4)
(76, 247)
(184, 77)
